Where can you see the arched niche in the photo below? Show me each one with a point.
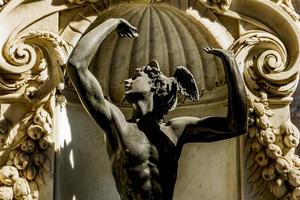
(174, 37)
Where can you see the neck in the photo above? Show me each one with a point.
(142, 107)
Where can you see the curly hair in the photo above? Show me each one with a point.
(164, 88)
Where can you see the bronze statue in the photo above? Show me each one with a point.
(144, 151)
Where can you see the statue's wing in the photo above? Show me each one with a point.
(186, 83)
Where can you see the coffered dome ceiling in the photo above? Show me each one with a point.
(167, 35)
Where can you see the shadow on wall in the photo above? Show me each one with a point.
(78, 163)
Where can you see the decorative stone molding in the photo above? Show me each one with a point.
(27, 52)
(289, 8)
(271, 163)
(266, 68)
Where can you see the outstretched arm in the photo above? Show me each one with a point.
(86, 85)
(218, 128)
(88, 45)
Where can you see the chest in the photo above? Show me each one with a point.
(146, 143)
(134, 143)
(153, 139)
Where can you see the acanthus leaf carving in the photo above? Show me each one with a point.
(52, 40)
(42, 53)
(266, 64)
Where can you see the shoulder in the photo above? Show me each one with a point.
(117, 117)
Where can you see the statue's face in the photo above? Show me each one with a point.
(138, 86)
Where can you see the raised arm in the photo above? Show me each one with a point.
(219, 128)
(86, 85)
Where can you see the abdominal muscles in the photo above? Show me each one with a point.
(136, 177)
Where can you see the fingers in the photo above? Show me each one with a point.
(135, 34)
(209, 49)
(126, 29)
(123, 35)
(131, 33)
(128, 33)
(133, 29)
(126, 23)
(206, 49)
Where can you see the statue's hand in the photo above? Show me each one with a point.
(125, 29)
(217, 52)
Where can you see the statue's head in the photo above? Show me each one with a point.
(151, 85)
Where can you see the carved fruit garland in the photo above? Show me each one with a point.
(42, 52)
(28, 161)
(271, 154)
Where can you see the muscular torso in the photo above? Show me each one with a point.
(144, 164)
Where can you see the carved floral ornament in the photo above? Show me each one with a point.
(270, 148)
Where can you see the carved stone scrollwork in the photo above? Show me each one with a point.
(272, 166)
(39, 52)
(35, 58)
(266, 64)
